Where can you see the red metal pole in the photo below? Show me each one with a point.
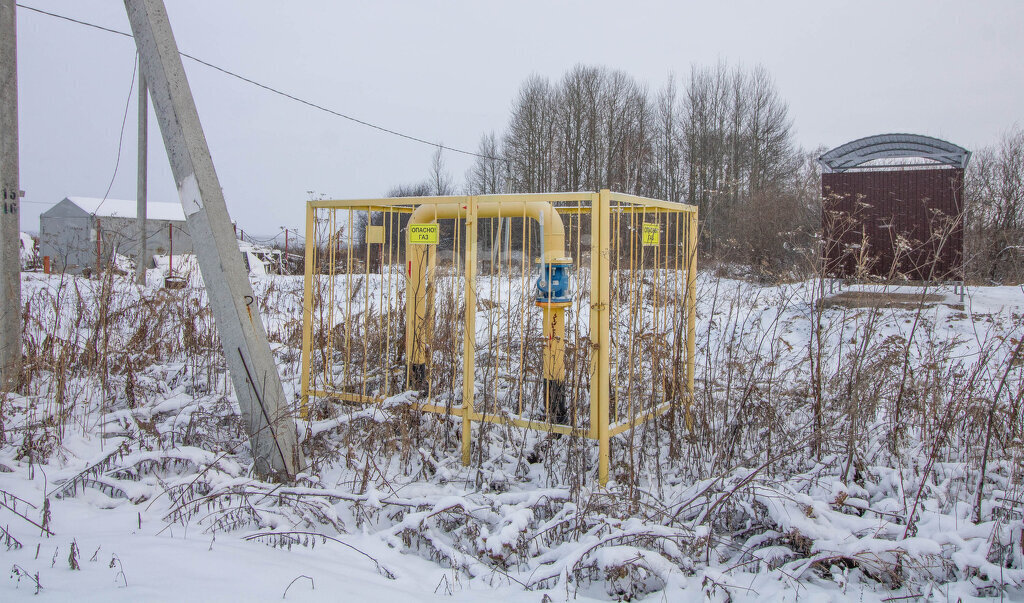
(99, 246)
(170, 245)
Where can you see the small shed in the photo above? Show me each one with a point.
(893, 208)
(81, 234)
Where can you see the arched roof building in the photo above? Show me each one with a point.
(894, 219)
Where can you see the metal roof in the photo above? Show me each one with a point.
(120, 208)
(887, 146)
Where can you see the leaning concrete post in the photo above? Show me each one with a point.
(242, 334)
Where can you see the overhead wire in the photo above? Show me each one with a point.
(279, 92)
(120, 138)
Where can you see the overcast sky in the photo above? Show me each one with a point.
(449, 71)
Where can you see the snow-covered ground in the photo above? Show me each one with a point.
(28, 250)
(834, 453)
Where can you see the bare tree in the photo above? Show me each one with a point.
(529, 140)
(577, 137)
(738, 151)
(704, 110)
(441, 182)
(723, 143)
(995, 206)
(667, 145)
(488, 173)
(768, 134)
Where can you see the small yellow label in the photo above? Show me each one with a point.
(651, 234)
(423, 234)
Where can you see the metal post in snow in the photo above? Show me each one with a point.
(99, 246)
(257, 384)
(140, 212)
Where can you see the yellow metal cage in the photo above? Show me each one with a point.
(571, 313)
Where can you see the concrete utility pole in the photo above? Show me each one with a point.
(242, 334)
(10, 220)
(142, 261)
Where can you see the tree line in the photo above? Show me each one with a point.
(723, 140)
(994, 188)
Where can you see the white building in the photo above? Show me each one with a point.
(80, 233)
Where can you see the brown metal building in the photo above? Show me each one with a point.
(891, 221)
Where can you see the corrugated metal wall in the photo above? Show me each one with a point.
(894, 224)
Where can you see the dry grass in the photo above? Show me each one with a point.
(795, 394)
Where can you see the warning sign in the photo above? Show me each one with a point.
(651, 234)
(423, 234)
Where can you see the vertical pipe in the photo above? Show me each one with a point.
(389, 246)
(595, 314)
(366, 301)
(604, 343)
(691, 309)
(332, 267)
(348, 300)
(307, 313)
(284, 263)
(170, 250)
(469, 340)
(140, 212)
(508, 237)
(99, 246)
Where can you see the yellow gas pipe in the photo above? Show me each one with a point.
(421, 261)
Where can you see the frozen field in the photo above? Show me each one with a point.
(834, 451)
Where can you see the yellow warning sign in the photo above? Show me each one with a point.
(651, 234)
(423, 234)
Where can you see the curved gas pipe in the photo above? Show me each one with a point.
(553, 295)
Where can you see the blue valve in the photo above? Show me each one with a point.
(553, 284)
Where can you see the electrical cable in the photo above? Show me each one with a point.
(280, 92)
(120, 139)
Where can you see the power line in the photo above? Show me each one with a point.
(120, 138)
(38, 10)
(280, 92)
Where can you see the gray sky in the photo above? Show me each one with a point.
(449, 71)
